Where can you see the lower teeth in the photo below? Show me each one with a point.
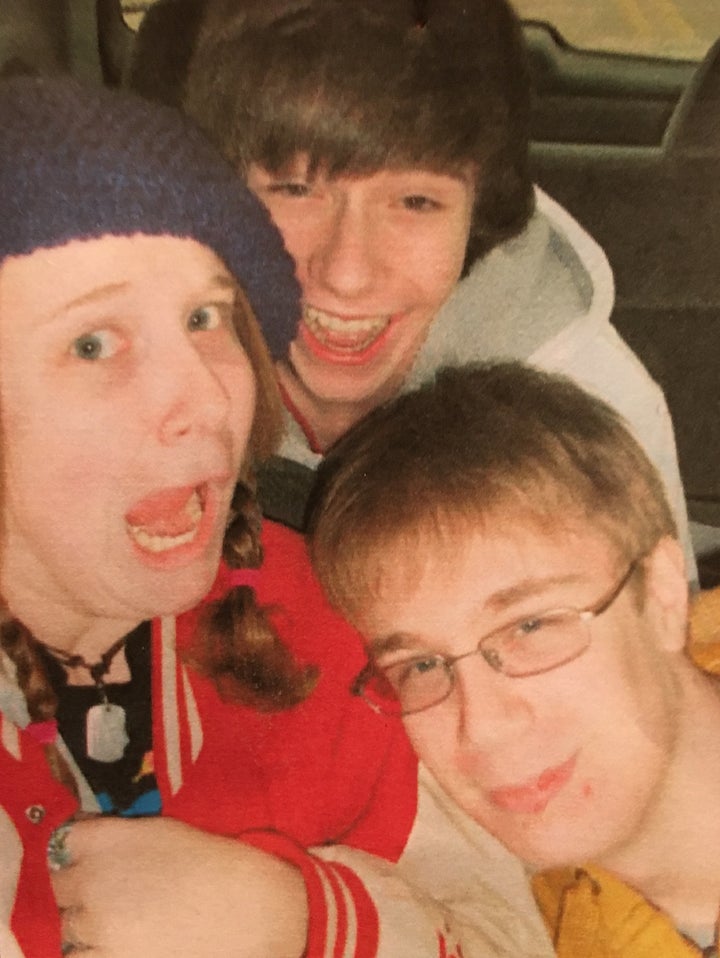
(161, 543)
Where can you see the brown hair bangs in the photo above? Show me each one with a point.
(358, 86)
(479, 447)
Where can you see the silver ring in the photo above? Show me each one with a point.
(58, 854)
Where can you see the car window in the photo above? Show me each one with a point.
(675, 29)
(133, 12)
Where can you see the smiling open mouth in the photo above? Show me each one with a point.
(345, 335)
(167, 519)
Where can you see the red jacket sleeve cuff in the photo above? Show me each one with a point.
(342, 919)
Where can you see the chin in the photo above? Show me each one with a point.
(558, 847)
(183, 589)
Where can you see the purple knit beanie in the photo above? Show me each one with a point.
(81, 162)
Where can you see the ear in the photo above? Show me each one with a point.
(667, 592)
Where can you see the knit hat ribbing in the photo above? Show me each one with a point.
(81, 162)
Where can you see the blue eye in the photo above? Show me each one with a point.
(421, 666)
(415, 669)
(529, 626)
(205, 318)
(101, 344)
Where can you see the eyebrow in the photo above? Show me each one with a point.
(499, 601)
(528, 589)
(221, 281)
(94, 295)
(224, 281)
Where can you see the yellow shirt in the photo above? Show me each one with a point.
(592, 914)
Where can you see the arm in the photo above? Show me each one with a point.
(161, 889)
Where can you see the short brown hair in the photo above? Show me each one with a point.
(360, 85)
(448, 457)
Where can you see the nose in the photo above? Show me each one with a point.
(344, 257)
(185, 391)
(492, 708)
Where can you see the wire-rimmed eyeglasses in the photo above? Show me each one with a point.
(525, 647)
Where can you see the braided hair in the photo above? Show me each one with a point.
(236, 644)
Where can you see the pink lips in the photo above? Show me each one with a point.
(534, 796)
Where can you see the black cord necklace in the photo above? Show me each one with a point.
(105, 724)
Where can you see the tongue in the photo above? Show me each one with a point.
(165, 513)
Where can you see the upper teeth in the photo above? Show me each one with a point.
(369, 326)
(159, 543)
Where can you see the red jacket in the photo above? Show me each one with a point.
(329, 770)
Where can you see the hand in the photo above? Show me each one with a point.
(157, 888)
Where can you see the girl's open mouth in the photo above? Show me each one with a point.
(167, 519)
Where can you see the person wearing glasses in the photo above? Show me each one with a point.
(508, 552)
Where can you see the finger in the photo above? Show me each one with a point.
(74, 947)
(75, 850)
(65, 875)
(73, 941)
(58, 850)
(66, 842)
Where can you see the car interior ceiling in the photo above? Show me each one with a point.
(629, 144)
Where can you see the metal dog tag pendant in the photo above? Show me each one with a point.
(105, 732)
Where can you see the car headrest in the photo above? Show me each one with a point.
(694, 128)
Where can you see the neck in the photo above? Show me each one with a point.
(69, 630)
(674, 860)
(325, 420)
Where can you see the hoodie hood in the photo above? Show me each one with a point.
(526, 292)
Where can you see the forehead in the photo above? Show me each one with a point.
(55, 277)
(441, 584)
